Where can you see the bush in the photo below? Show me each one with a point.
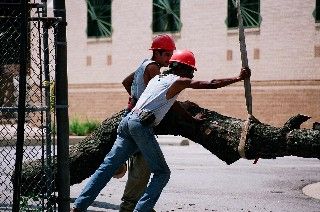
(81, 128)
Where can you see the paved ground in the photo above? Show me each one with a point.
(201, 182)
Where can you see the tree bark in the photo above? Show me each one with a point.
(219, 134)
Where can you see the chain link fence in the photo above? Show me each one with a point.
(39, 125)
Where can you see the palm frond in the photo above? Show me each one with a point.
(99, 18)
(166, 16)
(250, 11)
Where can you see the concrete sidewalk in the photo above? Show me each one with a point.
(312, 190)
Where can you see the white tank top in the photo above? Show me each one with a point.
(154, 96)
(138, 85)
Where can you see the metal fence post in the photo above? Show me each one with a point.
(63, 175)
(21, 104)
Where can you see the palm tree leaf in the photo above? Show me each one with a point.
(165, 16)
(99, 18)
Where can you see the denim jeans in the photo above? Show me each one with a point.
(132, 137)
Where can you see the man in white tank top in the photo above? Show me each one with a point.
(135, 131)
(139, 172)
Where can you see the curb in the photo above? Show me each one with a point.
(162, 140)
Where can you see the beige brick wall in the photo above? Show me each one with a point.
(286, 41)
(274, 102)
(286, 73)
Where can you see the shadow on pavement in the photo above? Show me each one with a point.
(100, 206)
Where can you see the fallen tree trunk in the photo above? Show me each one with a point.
(219, 134)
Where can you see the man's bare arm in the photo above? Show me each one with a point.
(183, 83)
(213, 84)
(219, 83)
(127, 82)
(151, 71)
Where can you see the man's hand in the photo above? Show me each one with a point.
(131, 103)
(245, 73)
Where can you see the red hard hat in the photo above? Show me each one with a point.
(185, 57)
(164, 42)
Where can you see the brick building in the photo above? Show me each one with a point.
(283, 43)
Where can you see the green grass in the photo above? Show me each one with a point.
(80, 128)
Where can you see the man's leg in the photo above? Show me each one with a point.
(138, 178)
(161, 175)
(151, 151)
(123, 147)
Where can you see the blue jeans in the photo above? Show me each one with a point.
(138, 179)
(132, 137)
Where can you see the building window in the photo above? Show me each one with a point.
(99, 18)
(316, 12)
(250, 10)
(166, 16)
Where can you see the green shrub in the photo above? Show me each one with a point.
(27, 203)
(80, 128)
